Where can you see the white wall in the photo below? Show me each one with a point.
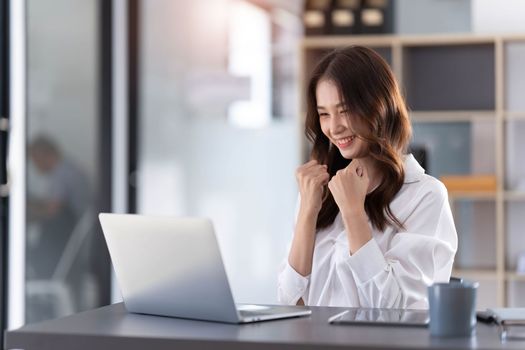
(432, 16)
(459, 16)
(193, 162)
(490, 16)
(62, 76)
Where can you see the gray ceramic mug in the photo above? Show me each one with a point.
(452, 308)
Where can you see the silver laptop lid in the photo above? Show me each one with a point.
(169, 266)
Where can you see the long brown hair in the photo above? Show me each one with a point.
(378, 115)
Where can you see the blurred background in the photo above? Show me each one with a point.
(193, 108)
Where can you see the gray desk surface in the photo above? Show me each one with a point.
(111, 327)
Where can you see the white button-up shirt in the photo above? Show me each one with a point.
(394, 268)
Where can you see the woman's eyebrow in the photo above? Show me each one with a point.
(339, 105)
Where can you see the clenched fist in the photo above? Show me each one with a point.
(311, 178)
(349, 187)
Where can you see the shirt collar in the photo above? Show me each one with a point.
(413, 171)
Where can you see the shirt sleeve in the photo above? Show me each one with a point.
(291, 286)
(415, 258)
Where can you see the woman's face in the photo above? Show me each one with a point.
(335, 122)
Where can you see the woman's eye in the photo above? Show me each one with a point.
(323, 114)
(343, 112)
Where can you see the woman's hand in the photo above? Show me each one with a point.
(311, 178)
(349, 187)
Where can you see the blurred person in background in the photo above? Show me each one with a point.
(54, 213)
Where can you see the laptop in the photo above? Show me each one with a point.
(173, 267)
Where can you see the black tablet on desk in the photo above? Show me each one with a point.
(382, 317)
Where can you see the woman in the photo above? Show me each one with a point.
(372, 229)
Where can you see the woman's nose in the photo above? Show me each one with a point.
(338, 123)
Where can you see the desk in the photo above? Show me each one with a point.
(111, 328)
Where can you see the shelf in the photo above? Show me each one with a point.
(481, 274)
(513, 276)
(318, 42)
(514, 77)
(512, 196)
(514, 115)
(452, 116)
(465, 99)
(472, 195)
(509, 38)
(450, 77)
(314, 55)
(445, 40)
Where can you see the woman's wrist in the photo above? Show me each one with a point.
(309, 210)
(358, 230)
(353, 213)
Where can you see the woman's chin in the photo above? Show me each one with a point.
(352, 154)
(347, 154)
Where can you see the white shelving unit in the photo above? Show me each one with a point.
(466, 92)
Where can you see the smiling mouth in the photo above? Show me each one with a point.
(345, 142)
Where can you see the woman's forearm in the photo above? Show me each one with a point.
(357, 229)
(302, 249)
